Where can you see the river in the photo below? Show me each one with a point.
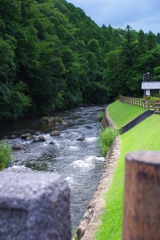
(79, 162)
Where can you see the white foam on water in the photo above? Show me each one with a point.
(73, 147)
(89, 158)
(57, 144)
(17, 168)
(92, 139)
(69, 179)
(85, 165)
(100, 158)
(45, 144)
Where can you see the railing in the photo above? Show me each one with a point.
(157, 107)
(140, 102)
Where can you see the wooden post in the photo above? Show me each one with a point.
(154, 107)
(141, 218)
(149, 104)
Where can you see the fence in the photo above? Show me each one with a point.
(140, 102)
(136, 102)
(157, 107)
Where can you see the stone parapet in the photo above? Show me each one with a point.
(34, 206)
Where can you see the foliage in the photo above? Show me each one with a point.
(63, 59)
(111, 223)
(106, 138)
(100, 116)
(5, 154)
(156, 73)
(152, 99)
(122, 113)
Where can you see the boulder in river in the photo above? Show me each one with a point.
(26, 136)
(17, 146)
(51, 120)
(39, 139)
(55, 133)
(65, 123)
(81, 138)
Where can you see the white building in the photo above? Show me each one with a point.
(151, 88)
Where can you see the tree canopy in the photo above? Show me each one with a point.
(54, 57)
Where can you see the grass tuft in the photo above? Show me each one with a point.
(100, 116)
(5, 154)
(106, 138)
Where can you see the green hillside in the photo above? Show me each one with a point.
(54, 57)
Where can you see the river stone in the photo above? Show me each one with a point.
(65, 123)
(34, 206)
(39, 139)
(17, 146)
(26, 136)
(81, 138)
(51, 120)
(55, 133)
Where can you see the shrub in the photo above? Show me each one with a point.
(106, 138)
(5, 154)
(100, 116)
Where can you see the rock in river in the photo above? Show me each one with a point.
(17, 146)
(55, 133)
(51, 120)
(26, 136)
(39, 139)
(81, 138)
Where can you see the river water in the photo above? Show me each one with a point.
(79, 162)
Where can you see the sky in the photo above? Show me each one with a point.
(139, 14)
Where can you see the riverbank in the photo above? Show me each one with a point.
(109, 202)
(144, 136)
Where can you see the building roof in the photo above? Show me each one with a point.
(150, 85)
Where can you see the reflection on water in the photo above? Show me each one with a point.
(79, 162)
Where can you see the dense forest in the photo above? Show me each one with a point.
(52, 56)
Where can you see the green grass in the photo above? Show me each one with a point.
(123, 113)
(100, 116)
(5, 154)
(106, 138)
(144, 136)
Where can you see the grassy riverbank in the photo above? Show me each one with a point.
(122, 113)
(144, 136)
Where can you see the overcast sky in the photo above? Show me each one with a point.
(139, 14)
